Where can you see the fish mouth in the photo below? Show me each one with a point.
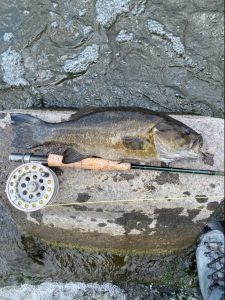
(168, 156)
(195, 150)
(197, 145)
(192, 153)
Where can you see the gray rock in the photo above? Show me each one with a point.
(7, 36)
(12, 68)
(159, 29)
(124, 36)
(78, 290)
(81, 62)
(174, 62)
(108, 10)
(139, 7)
(87, 29)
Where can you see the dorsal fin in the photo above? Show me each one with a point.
(84, 111)
(87, 110)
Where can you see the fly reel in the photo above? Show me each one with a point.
(31, 186)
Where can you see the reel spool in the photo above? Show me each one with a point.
(31, 186)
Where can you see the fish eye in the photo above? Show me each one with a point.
(187, 131)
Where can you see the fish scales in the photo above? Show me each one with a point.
(105, 138)
(126, 134)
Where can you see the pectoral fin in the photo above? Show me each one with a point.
(133, 143)
(71, 155)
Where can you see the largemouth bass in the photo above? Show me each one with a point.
(115, 133)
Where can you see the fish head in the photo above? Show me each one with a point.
(175, 140)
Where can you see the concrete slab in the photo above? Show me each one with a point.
(135, 211)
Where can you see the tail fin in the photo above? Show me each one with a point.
(29, 131)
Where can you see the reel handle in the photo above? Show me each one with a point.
(89, 163)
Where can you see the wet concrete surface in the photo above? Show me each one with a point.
(26, 260)
(167, 56)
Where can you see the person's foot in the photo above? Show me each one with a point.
(210, 262)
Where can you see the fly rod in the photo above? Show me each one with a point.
(99, 164)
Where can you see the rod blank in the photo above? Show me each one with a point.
(177, 170)
(100, 164)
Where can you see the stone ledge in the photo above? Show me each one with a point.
(168, 221)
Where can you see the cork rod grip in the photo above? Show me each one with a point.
(98, 164)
